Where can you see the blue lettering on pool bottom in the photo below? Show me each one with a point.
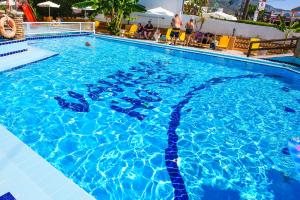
(83, 106)
(290, 110)
(136, 103)
(286, 89)
(151, 73)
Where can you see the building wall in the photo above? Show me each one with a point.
(220, 27)
(174, 6)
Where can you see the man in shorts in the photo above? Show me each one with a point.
(176, 24)
(148, 30)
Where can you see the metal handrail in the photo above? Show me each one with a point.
(292, 45)
(56, 24)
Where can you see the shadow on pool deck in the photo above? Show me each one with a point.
(283, 187)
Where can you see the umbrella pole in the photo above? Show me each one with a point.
(49, 12)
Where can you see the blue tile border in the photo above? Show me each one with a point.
(284, 62)
(58, 36)
(21, 66)
(200, 51)
(13, 52)
(11, 42)
(39, 38)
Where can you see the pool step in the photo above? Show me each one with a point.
(30, 177)
(33, 54)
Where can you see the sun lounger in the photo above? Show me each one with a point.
(255, 45)
(224, 42)
(167, 37)
(132, 31)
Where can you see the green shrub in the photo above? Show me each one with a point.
(256, 23)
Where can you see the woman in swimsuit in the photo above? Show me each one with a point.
(189, 29)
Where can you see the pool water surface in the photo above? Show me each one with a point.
(126, 121)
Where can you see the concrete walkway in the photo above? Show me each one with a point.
(27, 176)
(33, 54)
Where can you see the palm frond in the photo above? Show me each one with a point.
(84, 4)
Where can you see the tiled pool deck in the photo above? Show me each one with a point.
(27, 176)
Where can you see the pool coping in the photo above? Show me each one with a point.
(203, 52)
(8, 63)
(26, 175)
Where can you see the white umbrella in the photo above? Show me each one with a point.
(48, 4)
(222, 15)
(78, 10)
(159, 12)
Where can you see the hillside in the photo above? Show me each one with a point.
(231, 6)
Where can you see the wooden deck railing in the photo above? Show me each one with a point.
(281, 44)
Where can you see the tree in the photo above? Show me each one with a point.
(246, 7)
(195, 7)
(115, 10)
(288, 30)
(65, 9)
(251, 10)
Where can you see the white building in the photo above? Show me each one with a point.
(174, 6)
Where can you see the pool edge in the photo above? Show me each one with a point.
(203, 52)
(28, 176)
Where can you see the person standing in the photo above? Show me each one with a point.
(189, 29)
(176, 24)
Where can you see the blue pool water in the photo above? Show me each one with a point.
(127, 121)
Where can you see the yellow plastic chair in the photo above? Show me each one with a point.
(168, 34)
(132, 31)
(224, 42)
(255, 45)
(97, 24)
(182, 37)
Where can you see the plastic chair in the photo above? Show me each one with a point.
(132, 31)
(224, 42)
(168, 34)
(182, 37)
(97, 24)
(255, 45)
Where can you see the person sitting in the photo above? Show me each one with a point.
(148, 29)
(214, 43)
(198, 37)
(205, 38)
(140, 30)
(189, 29)
(176, 24)
(59, 19)
(157, 35)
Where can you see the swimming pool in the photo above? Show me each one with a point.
(129, 121)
